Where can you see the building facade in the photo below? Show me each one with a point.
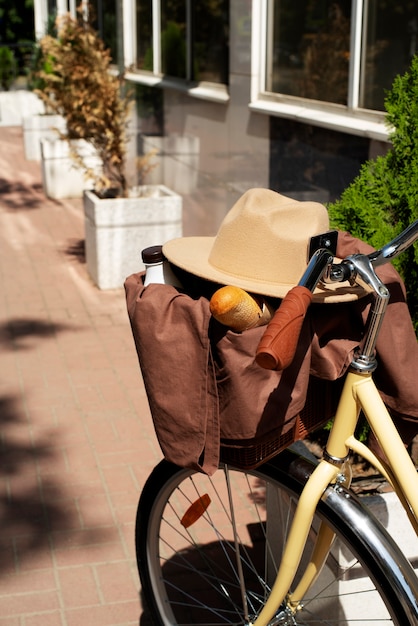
(286, 94)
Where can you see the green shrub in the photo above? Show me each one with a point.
(383, 199)
(8, 67)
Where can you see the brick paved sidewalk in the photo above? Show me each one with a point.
(76, 438)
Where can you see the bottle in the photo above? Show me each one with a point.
(157, 268)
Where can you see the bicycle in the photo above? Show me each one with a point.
(288, 542)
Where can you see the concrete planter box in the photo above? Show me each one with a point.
(118, 229)
(60, 175)
(15, 105)
(38, 127)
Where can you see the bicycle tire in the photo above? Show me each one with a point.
(189, 577)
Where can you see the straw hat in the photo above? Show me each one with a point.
(261, 246)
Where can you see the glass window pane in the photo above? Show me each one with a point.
(309, 52)
(103, 13)
(144, 58)
(173, 38)
(210, 27)
(391, 40)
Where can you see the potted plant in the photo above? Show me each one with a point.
(122, 217)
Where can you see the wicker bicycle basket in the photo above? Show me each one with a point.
(321, 402)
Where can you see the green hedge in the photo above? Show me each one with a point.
(383, 199)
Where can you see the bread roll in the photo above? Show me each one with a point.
(237, 309)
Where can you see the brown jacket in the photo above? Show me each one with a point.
(203, 384)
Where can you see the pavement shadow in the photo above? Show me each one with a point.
(30, 509)
(17, 196)
(22, 511)
(19, 332)
(34, 500)
(77, 249)
(201, 581)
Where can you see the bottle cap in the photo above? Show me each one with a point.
(153, 254)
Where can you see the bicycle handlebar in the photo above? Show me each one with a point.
(277, 347)
(279, 342)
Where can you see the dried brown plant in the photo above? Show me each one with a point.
(79, 84)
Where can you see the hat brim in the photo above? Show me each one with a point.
(192, 255)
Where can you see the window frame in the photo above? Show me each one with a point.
(215, 92)
(349, 119)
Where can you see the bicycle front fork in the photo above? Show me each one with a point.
(324, 474)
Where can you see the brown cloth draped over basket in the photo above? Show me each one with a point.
(210, 400)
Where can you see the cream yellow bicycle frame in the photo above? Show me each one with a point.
(359, 393)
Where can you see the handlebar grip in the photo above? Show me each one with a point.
(277, 347)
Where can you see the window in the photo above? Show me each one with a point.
(390, 42)
(210, 39)
(52, 7)
(144, 34)
(309, 55)
(174, 34)
(339, 51)
(104, 20)
(190, 38)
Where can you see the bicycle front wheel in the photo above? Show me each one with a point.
(207, 559)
